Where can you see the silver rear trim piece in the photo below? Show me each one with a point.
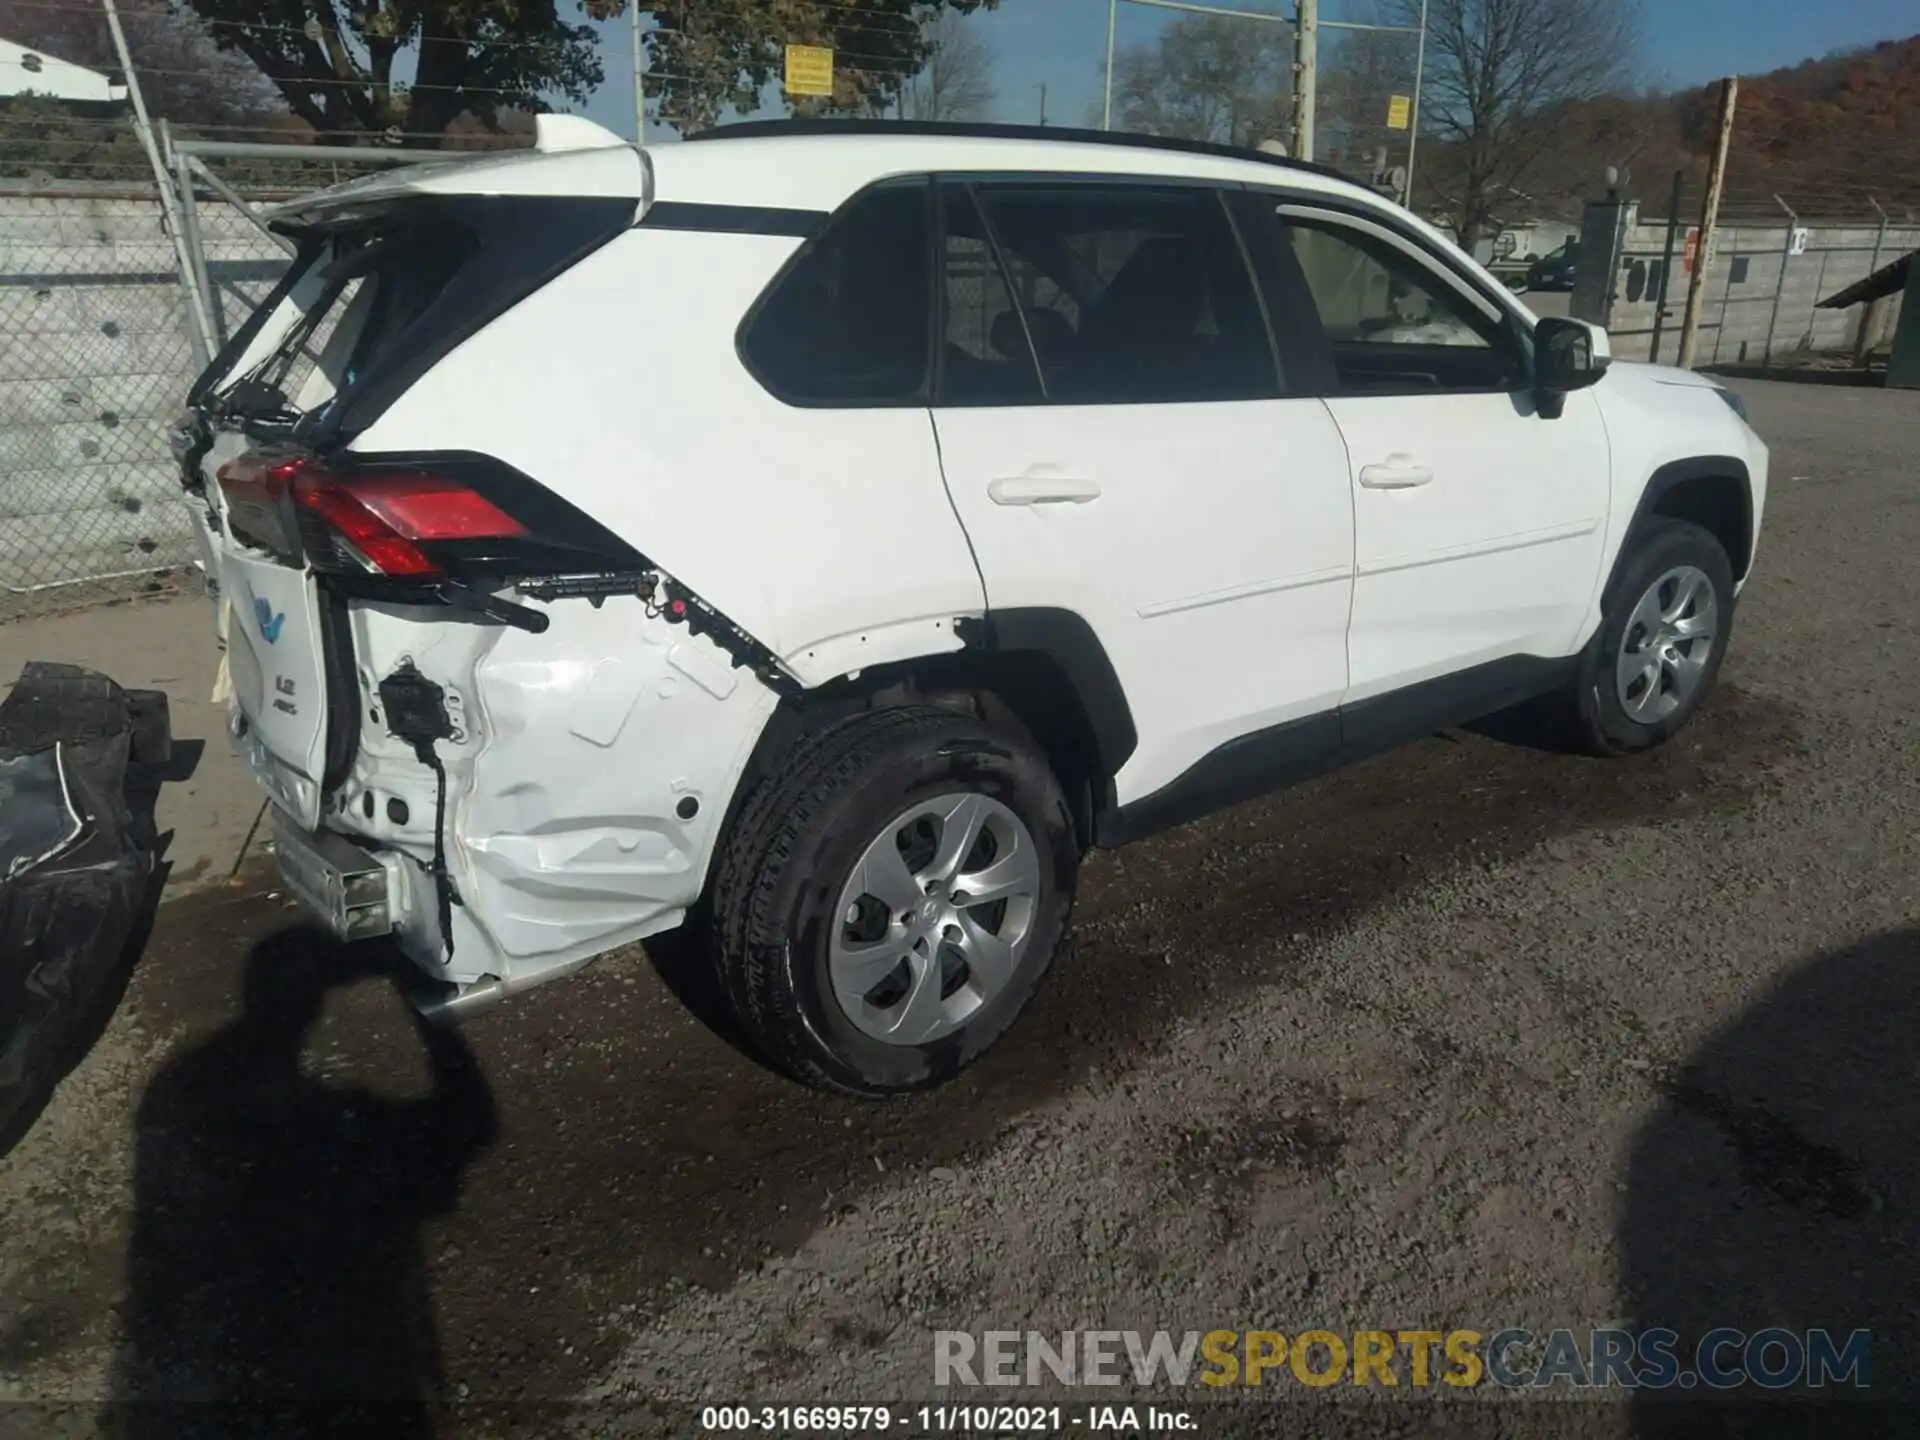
(452, 1004)
(344, 886)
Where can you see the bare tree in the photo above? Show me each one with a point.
(1360, 72)
(1207, 77)
(956, 83)
(1497, 71)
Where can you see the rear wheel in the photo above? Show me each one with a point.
(892, 898)
(1661, 642)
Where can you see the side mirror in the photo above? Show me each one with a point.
(1568, 355)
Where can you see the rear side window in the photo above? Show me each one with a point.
(848, 322)
(1132, 294)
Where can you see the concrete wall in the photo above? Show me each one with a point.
(1758, 301)
(95, 361)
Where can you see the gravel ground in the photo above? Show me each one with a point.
(1470, 1035)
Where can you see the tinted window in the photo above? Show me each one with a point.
(986, 358)
(1131, 294)
(847, 324)
(1391, 322)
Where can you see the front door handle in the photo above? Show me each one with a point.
(1396, 472)
(1043, 488)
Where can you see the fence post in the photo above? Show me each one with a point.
(202, 289)
(1780, 284)
(1602, 228)
(1869, 315)
(198, 337)
(1666, 266)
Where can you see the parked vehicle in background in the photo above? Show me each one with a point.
(992, 495)
(1555, 271)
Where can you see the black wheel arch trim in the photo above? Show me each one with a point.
(1668, 477)
(1065, 637)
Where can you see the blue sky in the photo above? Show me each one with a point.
(1062, 44)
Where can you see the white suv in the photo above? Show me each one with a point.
(831, 532)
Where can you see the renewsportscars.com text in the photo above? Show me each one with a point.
(1651, 1359)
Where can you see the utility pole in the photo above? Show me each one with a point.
(1043, 102)
(1306, 34)
(1709, 215)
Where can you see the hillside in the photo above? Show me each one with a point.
(1822, 134)
(1828, 136)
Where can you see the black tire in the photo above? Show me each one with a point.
(796, 840)
(1599, 720)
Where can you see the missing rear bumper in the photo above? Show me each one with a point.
(348, 889)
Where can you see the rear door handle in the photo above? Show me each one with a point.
(1396, 472)
(1043, 488)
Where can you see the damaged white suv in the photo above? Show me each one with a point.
(831, 532)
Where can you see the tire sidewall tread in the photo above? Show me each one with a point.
(794, 842)
(1605, 727)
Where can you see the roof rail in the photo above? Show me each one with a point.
(969, 130)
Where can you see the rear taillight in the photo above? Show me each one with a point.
(429, 518)
(381, 520)
(387, 516)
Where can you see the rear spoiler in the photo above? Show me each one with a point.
(572, 157)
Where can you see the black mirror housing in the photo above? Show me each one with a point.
(1564, 357)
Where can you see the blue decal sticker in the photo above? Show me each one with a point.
(270, 623)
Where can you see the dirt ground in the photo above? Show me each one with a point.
(1471, 1035)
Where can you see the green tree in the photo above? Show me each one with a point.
(334, 60)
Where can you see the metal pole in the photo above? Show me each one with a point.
(196, 246)
(233, 197)
(639, 80)
(1666, 266)
(1870, 313)
(1305, 37)
(1780, 284)
(1413, 120)
(199, 337)
(1709, 215)
(1113, 21)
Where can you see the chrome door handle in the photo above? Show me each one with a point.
(1396, 472)
(1042, 489)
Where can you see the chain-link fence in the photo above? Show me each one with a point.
(98, 341)
(94, 362)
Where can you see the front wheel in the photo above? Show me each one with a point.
(892, 898)
(1660, 643)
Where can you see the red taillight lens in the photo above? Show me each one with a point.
(387, 514)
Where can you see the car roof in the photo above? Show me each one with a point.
(816, 165)
(812, 165)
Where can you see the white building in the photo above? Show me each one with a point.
(31, 72)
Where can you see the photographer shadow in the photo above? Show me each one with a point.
(1776, 1185)
(276, 1260)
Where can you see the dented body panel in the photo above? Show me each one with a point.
(587, 775)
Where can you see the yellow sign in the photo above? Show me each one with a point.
(1399, 111)
(809, 70)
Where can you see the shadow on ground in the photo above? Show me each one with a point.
(1777, 1185)
(276, 1248)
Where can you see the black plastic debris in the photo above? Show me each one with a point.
(75, 862)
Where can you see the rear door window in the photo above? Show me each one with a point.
(1131, 293)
